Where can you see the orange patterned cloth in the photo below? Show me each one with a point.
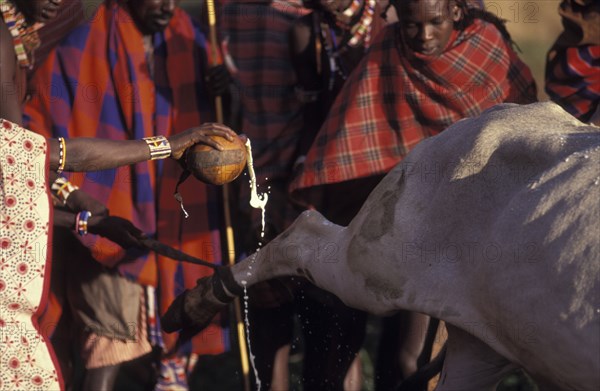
(27, 360)
(97, 83)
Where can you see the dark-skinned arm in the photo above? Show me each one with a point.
(91, 154)
(10, 96)
(117, 229)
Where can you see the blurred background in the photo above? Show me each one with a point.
(534, 25)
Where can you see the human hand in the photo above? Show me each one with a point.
(217, 80)
(79, 200)
(117, 229)
(182, 141)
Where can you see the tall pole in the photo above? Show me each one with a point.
(241, 334)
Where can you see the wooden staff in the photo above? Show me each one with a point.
(212, 23)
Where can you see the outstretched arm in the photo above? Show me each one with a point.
(114, 228)
(91, 154)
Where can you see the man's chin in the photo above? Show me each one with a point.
(161, 24)
(428, 52)
(154, 28)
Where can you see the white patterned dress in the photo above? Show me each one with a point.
(26, 358)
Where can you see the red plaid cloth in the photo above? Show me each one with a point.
(393, 101)
(258, 32)
(258, 42)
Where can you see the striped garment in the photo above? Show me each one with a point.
(97, 83)
(573, 79)
(573, 62)
(25, 36)
(392, 101)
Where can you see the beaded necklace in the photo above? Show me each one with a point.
(361, 31)
(352, 9)
(25, 36)
(358, 33)
(357, 20)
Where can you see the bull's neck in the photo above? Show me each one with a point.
(365, 275)
(305, 249)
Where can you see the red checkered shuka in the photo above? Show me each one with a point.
(393, 101)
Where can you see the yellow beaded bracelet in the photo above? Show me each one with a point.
(62, 154)
(159, 147)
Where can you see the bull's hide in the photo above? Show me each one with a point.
(491, 226)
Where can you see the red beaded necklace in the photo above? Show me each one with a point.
(25, 36)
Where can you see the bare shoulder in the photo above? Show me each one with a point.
(7, 52)
(9, 89)
(5, 37)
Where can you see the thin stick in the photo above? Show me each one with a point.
(212, 23)
(172, 253)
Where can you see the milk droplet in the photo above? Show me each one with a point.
(256, 200)
(247, 323)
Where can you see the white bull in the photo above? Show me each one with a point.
(492, 226)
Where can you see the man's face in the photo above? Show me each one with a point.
(152, 16)
(427, 24)
(39, 10)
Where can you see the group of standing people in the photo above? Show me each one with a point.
(332, 95)
(365, 95)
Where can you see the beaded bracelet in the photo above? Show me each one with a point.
(62, 154)
(63, 188)
(159, 147)
(81, 222)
